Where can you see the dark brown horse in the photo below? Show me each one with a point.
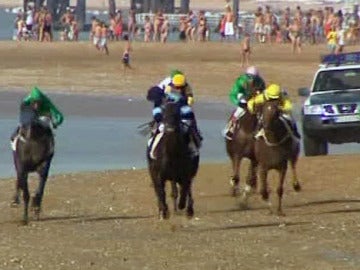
(175, 162)
(275, 146)
(242, 146)
(34, 152)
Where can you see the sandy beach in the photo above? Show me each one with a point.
(107, 220)
(78, 67)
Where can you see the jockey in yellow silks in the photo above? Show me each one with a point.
(273, 91)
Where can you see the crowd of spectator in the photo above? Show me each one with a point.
(266, 26)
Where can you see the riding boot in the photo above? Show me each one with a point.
(230, 129)
(196, 133)
(15, 133)
(295, 130)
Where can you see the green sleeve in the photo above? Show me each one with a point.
(56, 115)
(236, 90)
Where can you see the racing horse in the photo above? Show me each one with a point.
(275, 147)
(34, 150)
(242, 146)
(173, 161)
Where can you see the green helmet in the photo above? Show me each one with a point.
(175, 72)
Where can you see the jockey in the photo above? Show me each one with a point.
(274, 91)
(43, 107)
(156, 94)
(178, 91)
(244, 87)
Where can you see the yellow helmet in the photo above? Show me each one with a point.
(273, 91)
(179, 80)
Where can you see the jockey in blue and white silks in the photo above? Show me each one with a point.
(178, 91)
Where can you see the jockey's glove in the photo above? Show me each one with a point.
(242, 103)
(190, 101)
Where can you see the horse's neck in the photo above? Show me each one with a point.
(248, 122)
(277, 131)
(174, 143)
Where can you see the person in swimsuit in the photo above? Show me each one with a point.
(245, 50)
(126, 54)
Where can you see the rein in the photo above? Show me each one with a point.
(289, 133)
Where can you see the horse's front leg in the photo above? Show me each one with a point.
(235, 179)
(16, 198)
(263, 172)
(23, 185)
(37, 200)
(159, 186)
(190, 204)
(174, 194)
(280, 189)
(184, 192)
(295, 181)
(251, 183)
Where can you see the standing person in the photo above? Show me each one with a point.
(126, 54)
(48, 35)
(222, 27)
(164, 30)
(245, 86)
(332, 40)
(295, 33)
(229, 23)
(340, 34)
(182, 28)
(103, 40)
(131, 23)
(245, 50)
(30, 20)
(148, 29)
(259, 24)
(97, 35)
(268, 23)
(94, 23)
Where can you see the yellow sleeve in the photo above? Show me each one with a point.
(167, 89)
(190, 101)
(286, 106)
(259, 99)
(251, 105)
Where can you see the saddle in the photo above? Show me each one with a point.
(194, 138)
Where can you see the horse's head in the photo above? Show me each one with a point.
(270, 113)
(171, 117)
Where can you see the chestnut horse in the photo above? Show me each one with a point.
(275, 146)
(242, 146)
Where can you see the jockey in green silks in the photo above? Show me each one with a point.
(245, 86)
(45, 110)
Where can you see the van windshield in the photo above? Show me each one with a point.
(345, 79)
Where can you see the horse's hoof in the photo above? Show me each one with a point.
(235, 191)
(25, 222)
(280, 213)
(181, 205)
(190, 213)
(297, 186)
(243, 205)
(14, 204)
(164, 215)
(265, 196)
(37, 211)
